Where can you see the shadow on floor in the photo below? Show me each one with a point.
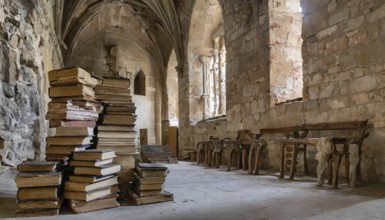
(8, 207)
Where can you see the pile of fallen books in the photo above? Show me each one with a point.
(116, 127)
(94, 185)
(148, 184)
(72, 112)
(40, 191)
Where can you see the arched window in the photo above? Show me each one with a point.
(214, 80)
(207, 61)
(140, 83)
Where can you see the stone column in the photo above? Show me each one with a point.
(222, 79)
(206, 86)
(165, 123)
(215, 68)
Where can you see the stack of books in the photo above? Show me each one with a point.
(148, 184)
(94, 185)
(40, 191)
(116, 127)
(72, 112)
(118, 119)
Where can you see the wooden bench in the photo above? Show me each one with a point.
(296, 136)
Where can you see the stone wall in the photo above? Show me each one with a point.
(29, 48)
(285, 28)
(247, 72)
(344, 71)
(343, 74)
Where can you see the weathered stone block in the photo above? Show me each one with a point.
(377, 14)
(339, 102)
(338, 44)
(360, 99)
(339, 16)
(360, 38)
(326, 32)
(326, 91)
(363, 84)
(313, 92)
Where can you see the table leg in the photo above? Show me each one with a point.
(282, 165)
(257, 160)
(336, 166)
(293, 161)
(251, 154)
(306, 171)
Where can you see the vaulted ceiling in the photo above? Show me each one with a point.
(153, 25)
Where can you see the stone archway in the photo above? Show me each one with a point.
(204, 46)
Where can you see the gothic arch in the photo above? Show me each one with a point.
(204, 50)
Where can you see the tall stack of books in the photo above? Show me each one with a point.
(94, 185)
(72, 112)
(148, 184)
(40, 191)
(116, 127)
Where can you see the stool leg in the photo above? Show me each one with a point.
(293, 162)
(347, 168)
(199, 156)
(258, 160)
(282, 164)
(244, 159)
(251, 153)
(305, 168)
(330, 178)
(218, 159)
(336, 167)
(239, 155)
(229, 160)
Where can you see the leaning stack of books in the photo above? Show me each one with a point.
(40, 191)
(94, 185)
(72, 112)
(148, 184)
(116, 130)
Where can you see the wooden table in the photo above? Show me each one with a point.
(335, 156)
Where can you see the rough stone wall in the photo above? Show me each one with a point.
(345, 72)
(247, 74)
(28, 50)
(247, 70)
(285, 28)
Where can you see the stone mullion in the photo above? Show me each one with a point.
(222, 78)
(206, 88)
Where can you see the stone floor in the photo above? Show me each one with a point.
(202, 193)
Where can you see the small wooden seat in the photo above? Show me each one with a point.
(205, 149)
(201, 150)
(238, 146)
(255, 151)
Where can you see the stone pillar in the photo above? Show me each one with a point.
(222, 78)
(206, 86)
(215, 68)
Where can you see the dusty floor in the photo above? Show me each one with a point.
(202, 193)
